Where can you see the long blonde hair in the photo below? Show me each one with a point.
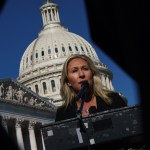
(68, 94)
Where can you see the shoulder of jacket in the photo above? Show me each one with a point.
(114, 94)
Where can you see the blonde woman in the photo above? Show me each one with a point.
(76, 70)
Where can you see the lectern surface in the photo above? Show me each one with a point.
(113, 129)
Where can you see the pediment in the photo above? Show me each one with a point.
(11, 91)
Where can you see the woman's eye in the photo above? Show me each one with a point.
(85, 68)
(74, 71)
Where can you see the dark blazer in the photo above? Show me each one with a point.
(64, 113)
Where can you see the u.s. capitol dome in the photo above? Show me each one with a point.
(42, 61)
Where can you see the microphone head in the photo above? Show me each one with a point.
(92, 110)
(85, 84)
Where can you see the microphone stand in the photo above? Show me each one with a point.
(79, 114)
(80, 118)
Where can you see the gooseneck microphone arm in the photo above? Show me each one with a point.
(82, 95)
(84, 87)
(79, 111)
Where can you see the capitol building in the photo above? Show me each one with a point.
(32, 99)
(42, 61)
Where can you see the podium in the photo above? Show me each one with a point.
(112, 129)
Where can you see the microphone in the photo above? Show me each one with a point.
(84, 87)
(92, 110)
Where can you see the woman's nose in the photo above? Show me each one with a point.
(81, 74)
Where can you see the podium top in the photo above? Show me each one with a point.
(121, 127)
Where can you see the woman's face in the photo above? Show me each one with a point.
(78, 71)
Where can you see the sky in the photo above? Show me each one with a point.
(20, 23)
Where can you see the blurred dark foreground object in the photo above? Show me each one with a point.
(5, 141)
(2, 3)
(121, 29)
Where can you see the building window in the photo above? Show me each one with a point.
(76, 48)
(36, 89)
(63, 49)
(87, 49)
(56, 50)
(26, 59)
(70, 49)
(44, 88)
(36, 55)
(49, 51)
(53, 86)
(82, 48)
(42, 53)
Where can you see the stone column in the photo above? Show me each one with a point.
(111, 86)
(103, 80)
(58, 16)
(107, 83)
(52, 10)
(43, 144)
(4, 124)
(44, 17)
(32, 136)
(19, 135)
